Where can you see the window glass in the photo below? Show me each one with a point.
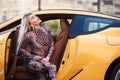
(92, 23)
(88, 24)
(54, 25)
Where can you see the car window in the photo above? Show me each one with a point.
(94, 26)
(54, 25)
(87, 25)
(92, 23)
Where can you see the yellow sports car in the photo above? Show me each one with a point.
(87, 46)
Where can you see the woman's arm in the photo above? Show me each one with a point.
(50, 51)
(51, 45)
(25, 43)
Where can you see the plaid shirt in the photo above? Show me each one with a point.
(41, 41)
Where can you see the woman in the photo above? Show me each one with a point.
(41, 42)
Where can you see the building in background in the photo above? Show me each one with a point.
(107, 6)
(12, 8)
(111, 7)
(117, 7)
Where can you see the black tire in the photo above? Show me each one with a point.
(115, 75)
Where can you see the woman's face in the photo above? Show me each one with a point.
(34, 20)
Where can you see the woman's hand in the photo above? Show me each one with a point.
(37, 58)
(44, 60)
(47, 58)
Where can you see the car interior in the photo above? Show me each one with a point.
(15, 68)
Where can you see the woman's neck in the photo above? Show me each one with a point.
(37, 27)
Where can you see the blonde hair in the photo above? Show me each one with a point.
(23, 30)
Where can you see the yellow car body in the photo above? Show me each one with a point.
(89, 56)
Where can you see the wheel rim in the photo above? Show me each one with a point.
(117, 77)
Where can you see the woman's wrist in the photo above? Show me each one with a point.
(37, 58)
(41, 58)
(48, 58)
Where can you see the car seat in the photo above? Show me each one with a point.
(61, 41)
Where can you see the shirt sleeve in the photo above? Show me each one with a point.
(51, 50)
(52, 42)
(25, 43)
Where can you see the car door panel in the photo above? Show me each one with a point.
(113, 37)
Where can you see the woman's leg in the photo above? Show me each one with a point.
(41, 77)
(52, 70)
(36, 67)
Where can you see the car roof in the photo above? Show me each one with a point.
(76, 12)
(60, 11)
